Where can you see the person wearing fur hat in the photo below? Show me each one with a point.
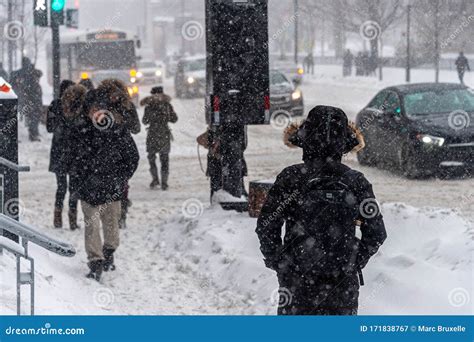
(105, 158)
(158, 113)
(116, 97)
(58, 124)
(322, 203)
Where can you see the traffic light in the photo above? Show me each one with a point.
(40, 12)
(57, 12)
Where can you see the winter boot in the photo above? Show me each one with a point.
(164, 181)
(153, 171)
(73, 219)
(58, 217)
(96, 268)
(154, 183)
(109, 259)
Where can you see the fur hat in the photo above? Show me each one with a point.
(325, 133)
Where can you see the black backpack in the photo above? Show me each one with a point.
(326, 213)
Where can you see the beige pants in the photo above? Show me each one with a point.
(108, 214)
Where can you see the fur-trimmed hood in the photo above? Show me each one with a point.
(73, 100)
(294, 126)
(155, 99)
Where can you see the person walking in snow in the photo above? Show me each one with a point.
(105, 159)
(347, 63)
(26, 82)
(118, 98)
(59, 163)
(462, 64)
(158, 114)
(320, 201)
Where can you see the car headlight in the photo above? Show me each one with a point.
(296, 94)
(430, 140)
(191, 80)
(139, 74)
(158, 73)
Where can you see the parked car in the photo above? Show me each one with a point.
(190, 78)
(149, 72)
(284, 95)
(421, 129)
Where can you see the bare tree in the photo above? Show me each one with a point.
(436, 20)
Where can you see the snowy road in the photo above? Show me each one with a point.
(152, 277)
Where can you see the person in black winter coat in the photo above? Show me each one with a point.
(114, 95)
(347, 60)
(26, 83)
(158, 114)
(320, 201)
(462, 64)
(105, 158)
(59, 161)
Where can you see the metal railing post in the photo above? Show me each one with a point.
(28, 234)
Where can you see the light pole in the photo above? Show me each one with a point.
(10, 41)
(408, 66)
(295, 7)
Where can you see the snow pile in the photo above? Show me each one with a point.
(425, 266)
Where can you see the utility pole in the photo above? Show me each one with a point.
(436, 41)
(56, 60)
(183, 40)
(10, 42)
(57, 19)
(408, 66)
(296, 10)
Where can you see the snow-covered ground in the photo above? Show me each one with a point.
(182, 256)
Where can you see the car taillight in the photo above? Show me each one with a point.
(266, 100)
(216, 109)
(215, 104)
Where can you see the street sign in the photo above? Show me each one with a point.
(72, 18)
(40, 13)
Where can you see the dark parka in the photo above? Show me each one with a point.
(307, 292)
(60, 126)
(26, 83)
(158, 113)
(104, 159)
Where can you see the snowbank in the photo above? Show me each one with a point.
(425, 266)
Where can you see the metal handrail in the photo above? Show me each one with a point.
(29, 234)
(13, 166)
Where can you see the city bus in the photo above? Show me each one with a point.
(98, 55)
